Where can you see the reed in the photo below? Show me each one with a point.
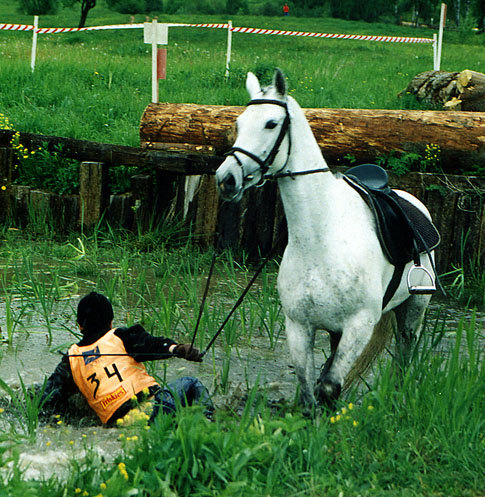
(419, 433)
(26, 406)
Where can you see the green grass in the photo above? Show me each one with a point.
(418, 436)
(96, 85)
(422, 438)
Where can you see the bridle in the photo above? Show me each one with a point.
(265, 164)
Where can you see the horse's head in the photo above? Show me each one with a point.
(262, 146)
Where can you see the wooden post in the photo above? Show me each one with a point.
(229, 48)
(437, 66)
(5, 180)
(93, 192)
(34, 43)
(142, 191)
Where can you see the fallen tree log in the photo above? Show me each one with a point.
(189, 162)
(459, 91)
(363, 133)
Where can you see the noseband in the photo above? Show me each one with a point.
(265, 164)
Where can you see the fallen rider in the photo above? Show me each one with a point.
(105, 366)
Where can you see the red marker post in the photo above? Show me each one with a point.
(162, 63)
(156, 34)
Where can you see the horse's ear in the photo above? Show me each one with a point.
(279, 82)
(252, 85)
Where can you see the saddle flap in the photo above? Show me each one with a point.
(400, 225)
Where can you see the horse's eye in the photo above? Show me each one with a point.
(271, 124)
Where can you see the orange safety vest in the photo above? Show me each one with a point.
(107, 381)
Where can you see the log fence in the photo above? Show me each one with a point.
(184, 187)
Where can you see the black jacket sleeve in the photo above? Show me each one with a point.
(142, 346)
(59, 387)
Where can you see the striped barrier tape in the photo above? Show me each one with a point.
(394, 39)
(29, 27)
(391, 39)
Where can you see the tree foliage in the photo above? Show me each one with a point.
(134, 6)
(369, 11)
(38, 7)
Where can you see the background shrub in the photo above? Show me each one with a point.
(38, 7)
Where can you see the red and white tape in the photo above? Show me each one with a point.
(262, 31)
(395, 39)
(28, 27)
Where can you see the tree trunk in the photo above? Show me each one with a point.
(363, 133)
(86, 6)
(463, 90)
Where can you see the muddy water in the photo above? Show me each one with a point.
(33, 356)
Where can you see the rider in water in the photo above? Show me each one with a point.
(106, 367)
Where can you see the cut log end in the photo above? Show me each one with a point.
(463, 90)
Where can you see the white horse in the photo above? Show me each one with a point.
(333, 274)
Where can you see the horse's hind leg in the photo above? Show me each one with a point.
(409, 318)
(300, 343)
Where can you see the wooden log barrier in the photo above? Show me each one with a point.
(456, 202)
(363, 133)
(6, 160)
(93, 188)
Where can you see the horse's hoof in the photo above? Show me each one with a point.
(327, 392)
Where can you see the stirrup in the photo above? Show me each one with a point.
(421, 289)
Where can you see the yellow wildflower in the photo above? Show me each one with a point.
(355, 423)
(77, 490)
(102, 486)
(370, 408)
(332, 419)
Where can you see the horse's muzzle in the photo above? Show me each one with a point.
(230, 189)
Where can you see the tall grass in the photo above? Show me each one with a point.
(96, 85)
(417, 435)
(423, 438)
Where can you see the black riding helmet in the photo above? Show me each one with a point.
(94, 313)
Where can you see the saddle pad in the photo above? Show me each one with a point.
(424, 226)
(400, 225)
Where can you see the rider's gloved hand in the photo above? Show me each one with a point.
(186, 351)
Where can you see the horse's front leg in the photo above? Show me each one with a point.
(355, 336)
(301, 340)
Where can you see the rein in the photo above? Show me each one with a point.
(291, 174)
(243, 294)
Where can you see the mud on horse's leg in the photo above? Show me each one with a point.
(323, 390)
(409, 318)
(352, 342)
(300, 343)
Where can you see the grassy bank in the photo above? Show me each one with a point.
(423, 437)
(96, 85)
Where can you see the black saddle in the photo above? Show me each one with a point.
(403, 230)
